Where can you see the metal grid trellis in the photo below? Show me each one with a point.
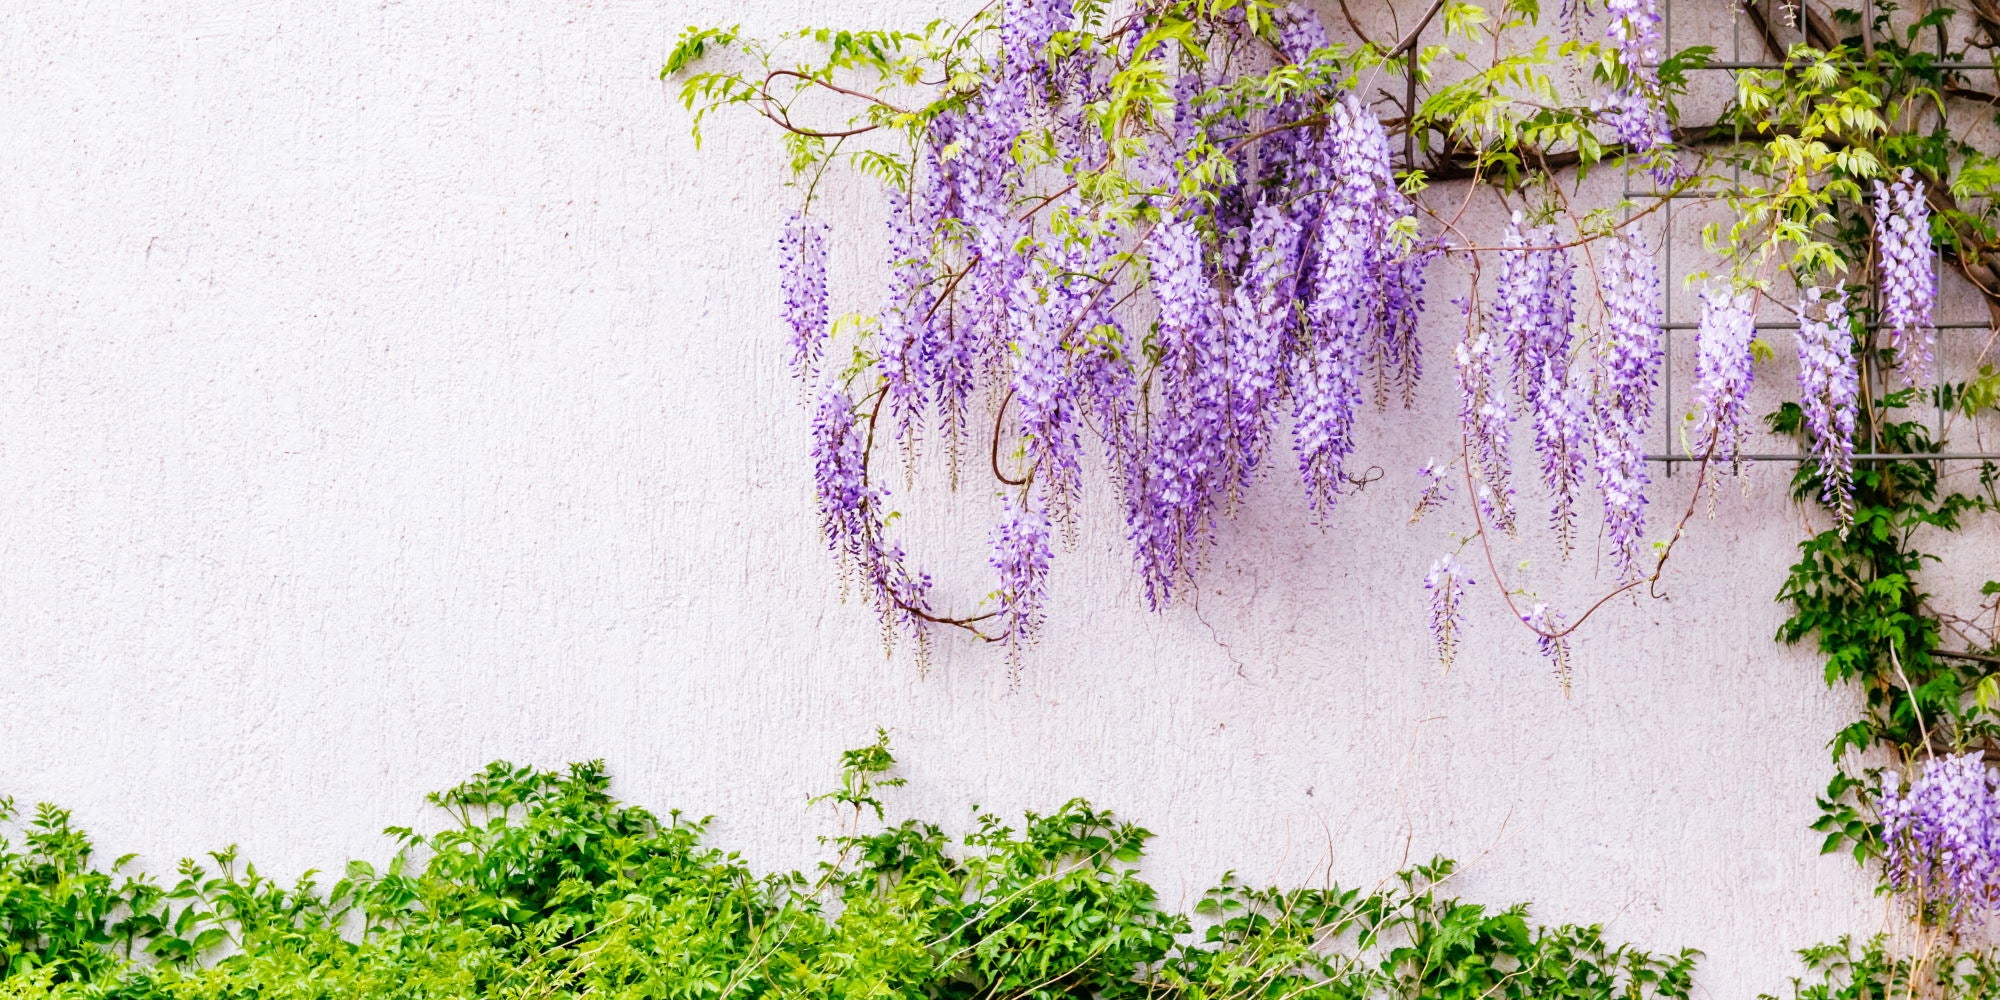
(1667, 456)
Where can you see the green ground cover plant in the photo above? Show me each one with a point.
(541, 884)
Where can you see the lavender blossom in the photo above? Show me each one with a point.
(802, 268)
(1628, 367)
(1562, 440)
(840, 474)
(1909, 274)
(851, 518)
(1173, 518)
(1637, 109)
(1446, 583)
(1344, 296)
(1550, 638)
(1399, 358)
(1299, 32)
(1021, 557)
(1044, 389)
(907, 315)
(1436, 489)
(1829, 385)
(1722, 371)
(1483, 419)
(1943, 836)
(1262, 319)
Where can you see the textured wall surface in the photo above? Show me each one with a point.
(386, 388)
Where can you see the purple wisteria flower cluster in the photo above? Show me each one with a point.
(1533, 315)
(1482, 414)
(1446, 583)
(1287, 292)
(802, 274)
(853, 520)
(1254, 277)
(1551, 637)
(1021, 556)
(1942, 836)
(1909, 274)
(1829, 388)
(1722, 370)
(1525, 346)
(1628, 370)
(1583, 419)
(1637, 111)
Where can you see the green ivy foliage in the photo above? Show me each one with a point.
(1856, 594)
(544, 885)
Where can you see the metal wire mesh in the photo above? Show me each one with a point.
(1735, 63)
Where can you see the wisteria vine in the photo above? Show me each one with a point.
(1169, 251)
(1180, 236)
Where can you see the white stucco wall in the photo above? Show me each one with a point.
(390, 387)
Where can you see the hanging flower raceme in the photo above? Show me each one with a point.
(802, 278)
(1295, 159)
(1436, 488)
(1532, 302)
(1300, 33)
(1634, 31)
(1535, 307)
(955, 188)
(1173, 516)
(1021, 557)
(1446, 583)
(840, 476)
(1628, 368)
(1025, 31)
(1529, 323)
(1563, 442)
(1045, 389)
(1399, 356)
(852, 521)
(1829, 387)
(1344, 296)
(1909, 274)
(1483, 420)
(997, 263)
(1638, 122)
(1262, 320)
(1722, 371)
(1109, 387)
(1942, 836)
(907, 315)
(1550, 638)
(1637, 109)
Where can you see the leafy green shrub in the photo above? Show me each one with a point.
(1847, 970)
(544, 885)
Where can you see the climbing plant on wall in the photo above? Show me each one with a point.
(1191, 240)
(1176, 235)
